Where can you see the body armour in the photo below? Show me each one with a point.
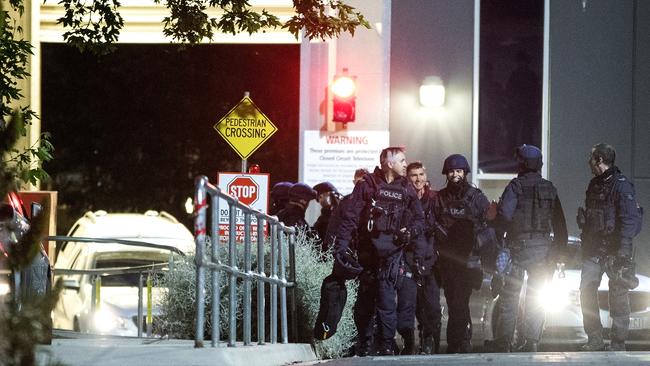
(535, 204)
(386, 213)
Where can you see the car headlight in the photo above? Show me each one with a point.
(555, 296)
(105, 321)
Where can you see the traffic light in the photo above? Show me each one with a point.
(344, 102)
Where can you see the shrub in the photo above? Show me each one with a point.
(178, 304)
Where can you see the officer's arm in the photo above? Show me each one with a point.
(417, 224)
(350, 215)
(560, 234)
(505, 209)
(628, 216)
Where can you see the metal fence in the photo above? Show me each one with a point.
(281, 239)
(144, 272)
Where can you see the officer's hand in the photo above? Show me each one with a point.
(403, 236)
(341, 246)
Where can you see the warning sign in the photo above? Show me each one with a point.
(250, 189)
(245, 128)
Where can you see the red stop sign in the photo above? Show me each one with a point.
(245, 189)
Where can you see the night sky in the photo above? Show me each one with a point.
(132, 129)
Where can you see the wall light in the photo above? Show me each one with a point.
(432, 92)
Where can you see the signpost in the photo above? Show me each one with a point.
(250, 189)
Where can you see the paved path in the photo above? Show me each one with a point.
(141, 352)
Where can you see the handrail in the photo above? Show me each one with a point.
(282, 238)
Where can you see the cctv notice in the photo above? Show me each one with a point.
(334, 156)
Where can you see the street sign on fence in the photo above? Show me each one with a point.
(250, 189)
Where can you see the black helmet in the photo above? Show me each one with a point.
(325, 187)
(301, 191)
(455, 161)
(280, 191)
(529, 157)
(346, 266)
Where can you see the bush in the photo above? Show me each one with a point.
(178, 304)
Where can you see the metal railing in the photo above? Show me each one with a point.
(97, 274)
(281, 238)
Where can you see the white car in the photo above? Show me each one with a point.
(117, 310)
(561, 299)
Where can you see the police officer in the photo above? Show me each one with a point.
(385, 212)
(610, 220)
(460, 209)
(294, 212)
(529, 211)
(427, 307)
(279, 197)
(328, 197)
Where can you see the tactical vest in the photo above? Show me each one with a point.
(459, 209)
(600, 210)
(535, 203)
(387, 206)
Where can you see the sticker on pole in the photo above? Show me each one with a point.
(245, 128)
(249, 189)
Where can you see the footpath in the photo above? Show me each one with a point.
(113, 351)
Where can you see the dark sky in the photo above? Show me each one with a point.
(132, 129)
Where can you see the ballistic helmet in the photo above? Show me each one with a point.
(325, 187)
(280, 190)
(455, 161)
(301, 191)
(529, 157)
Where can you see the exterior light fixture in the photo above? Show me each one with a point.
(432, 92)
(344, 97)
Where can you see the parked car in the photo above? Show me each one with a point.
(36, 278)
(116, 313)
(561, 299)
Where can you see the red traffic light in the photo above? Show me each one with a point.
(344, 101)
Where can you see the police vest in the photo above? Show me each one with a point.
(388, 205)
(535, 204)
(459, 208)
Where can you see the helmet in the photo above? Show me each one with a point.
(301, 191)
(280, 190)
(455, 161)
(529, 157)
(325, 187)
(346, 266)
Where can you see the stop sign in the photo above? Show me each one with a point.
(245, 189)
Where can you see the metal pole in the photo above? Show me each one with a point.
(149, 304)
(274, 287)
(283, 288)
(232, 262)
(247, 280)
(140, 305)
(292, 290)
(244, 162)
(200, 231)
(216, 274)
(261, 223)
(93, 295)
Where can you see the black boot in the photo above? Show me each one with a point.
(499, 345)
(595, 343)
(529, 345)
(426, 345)
(386, 348)
(408, 335)
(363, 347)
(436, 339)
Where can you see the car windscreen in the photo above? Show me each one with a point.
(127, 259)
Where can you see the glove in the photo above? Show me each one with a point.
(403, 236)
(420, 270)
(621, 270)
(341, 246)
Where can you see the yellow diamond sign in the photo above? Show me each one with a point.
(245, 128)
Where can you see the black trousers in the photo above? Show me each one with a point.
(457, 284)
(428, 310)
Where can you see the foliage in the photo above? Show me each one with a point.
(24, 321)
(14, 56)
(95, 25)
(178, 304)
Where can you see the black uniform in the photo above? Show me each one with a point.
(320, 226)
(379, 210)
(460, 209)
(529, 210)
(293, 214)
(610, 220)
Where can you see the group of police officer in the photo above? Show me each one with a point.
(404, 242)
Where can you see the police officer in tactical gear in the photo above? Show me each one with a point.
(427, 307)
(376, 211)
(460, 209)
(279, 197)
(610, 220)
(328, 197)
(294, 212)
(528, 212)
